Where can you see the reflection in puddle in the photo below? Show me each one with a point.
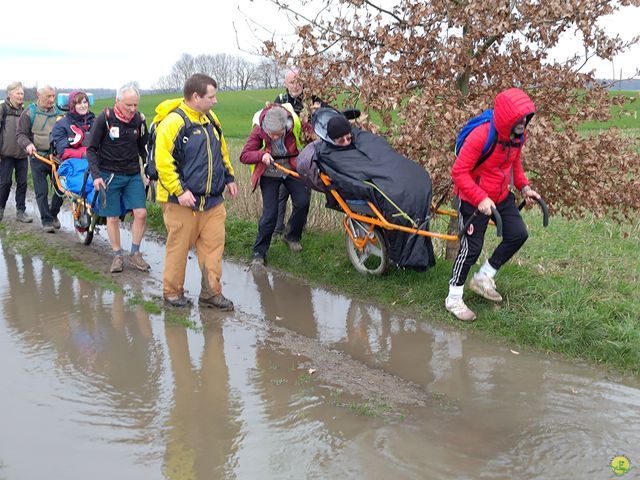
(133, 397)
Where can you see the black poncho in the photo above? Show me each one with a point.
(370, 169)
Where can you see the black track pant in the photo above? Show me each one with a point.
(9, 165)
(514, 234)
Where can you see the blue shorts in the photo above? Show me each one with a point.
(123, 191)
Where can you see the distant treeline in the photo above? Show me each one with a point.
(632, 84)
(98, 93)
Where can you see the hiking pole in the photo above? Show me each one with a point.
(543, 207)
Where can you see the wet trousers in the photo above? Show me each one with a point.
(41, 174)
(514, 234)
(188, 228)
(9, 165)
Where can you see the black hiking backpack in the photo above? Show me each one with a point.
(185, 132)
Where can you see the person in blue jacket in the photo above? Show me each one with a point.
(71, 133)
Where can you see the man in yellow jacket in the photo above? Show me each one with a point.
(193, 166)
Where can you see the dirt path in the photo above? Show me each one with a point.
(331, 367)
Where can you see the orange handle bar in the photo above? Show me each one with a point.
(380, 221)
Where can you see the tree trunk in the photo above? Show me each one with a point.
(452, 245)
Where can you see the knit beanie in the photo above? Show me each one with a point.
(338, 127)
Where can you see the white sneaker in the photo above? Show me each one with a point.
(485, 287)
(457, 306)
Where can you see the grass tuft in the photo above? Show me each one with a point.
(26, 243)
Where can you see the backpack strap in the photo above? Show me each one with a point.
(188, 123)
(492, 142)
(107, 117)
(185, 118)
(3, 115)
(489, 146)
(215, 125)
(32, 112)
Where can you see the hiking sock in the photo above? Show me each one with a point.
(455, 291)
(135, 248)
(486, 270)
(118, 253)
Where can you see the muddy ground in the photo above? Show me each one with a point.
(331, 367)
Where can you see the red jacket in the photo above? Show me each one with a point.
(259, 143)
(491, 178)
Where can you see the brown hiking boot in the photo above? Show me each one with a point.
(485, 287)
(218, 301)
(178, 302)
(137, 261)
(117, 264)
(457, 306)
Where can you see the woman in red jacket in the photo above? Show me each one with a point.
(276, 135)
(487, 187)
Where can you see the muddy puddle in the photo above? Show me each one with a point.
(299, 382)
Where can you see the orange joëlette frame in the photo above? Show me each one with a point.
(74, 198)
(378, 220)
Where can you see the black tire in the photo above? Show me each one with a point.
(88, 238)
(373, 259)
(86, 235)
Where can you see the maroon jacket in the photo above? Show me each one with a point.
(259, 143)
(491, 178)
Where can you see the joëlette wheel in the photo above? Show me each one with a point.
(373, 258)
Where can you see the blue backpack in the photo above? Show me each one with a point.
(492, 138)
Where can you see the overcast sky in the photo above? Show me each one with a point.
(106, 44)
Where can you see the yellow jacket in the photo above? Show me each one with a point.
(190, 154)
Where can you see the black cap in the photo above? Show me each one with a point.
(338, 127)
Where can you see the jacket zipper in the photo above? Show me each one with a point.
(209, 161)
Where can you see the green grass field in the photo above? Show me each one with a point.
(627, 117)
(234, 109)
